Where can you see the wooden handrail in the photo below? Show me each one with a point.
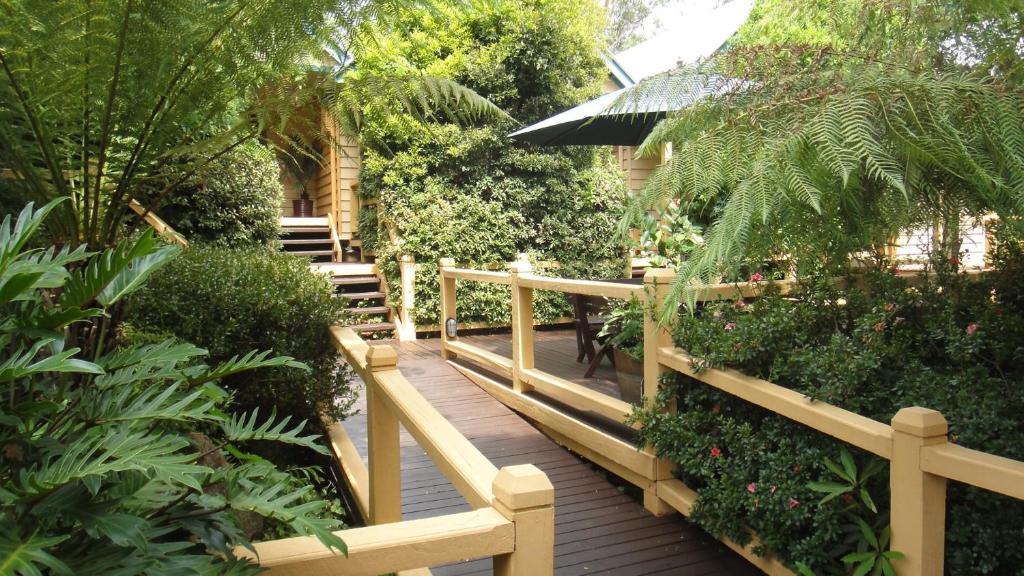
(468, 470)
(521, 495)
(916, 443)
(335, 239)
(391, 547)
(487, 276)
(862, 432)
(987, 471)
(514, 521)
(161, 227)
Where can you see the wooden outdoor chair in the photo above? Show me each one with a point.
(588, 322)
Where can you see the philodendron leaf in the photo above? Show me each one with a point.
(134, 275)
(27, 556)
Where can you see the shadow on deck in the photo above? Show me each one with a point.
(598, 528)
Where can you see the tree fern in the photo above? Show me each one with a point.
(787, 152)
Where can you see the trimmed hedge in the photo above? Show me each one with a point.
(470, 193)
(232, 300)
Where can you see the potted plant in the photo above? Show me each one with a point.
(624, 330)
(303, 165)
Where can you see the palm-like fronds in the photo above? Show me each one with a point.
(101, 473)
(872, 145)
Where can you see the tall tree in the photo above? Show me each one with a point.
(97, 95)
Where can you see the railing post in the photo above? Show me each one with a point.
(522, 324)
(524, 495)
(407, 269)
(918, 499)
(656, 283)
(384, 449)
(447, 306)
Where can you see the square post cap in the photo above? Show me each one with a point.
(523, 486)
(922, 422)
(381, 357)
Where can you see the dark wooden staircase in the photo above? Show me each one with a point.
(308, 237)
(366, 302)
(355, 282)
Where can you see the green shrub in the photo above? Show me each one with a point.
(369, 231)
(102, 468)
(950, 344)
(230, 300)
(233, 201)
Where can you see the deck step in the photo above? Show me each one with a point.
(310, 253)
(298, 241)
(306, 230)
(378, 327)
(369, 310)
(354, 280)
(360, 295)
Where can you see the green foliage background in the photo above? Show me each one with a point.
(471, 194)
(234, 200)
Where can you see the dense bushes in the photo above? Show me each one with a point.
(233, 300)
(234, 200)
(469, 193)
(950, 344)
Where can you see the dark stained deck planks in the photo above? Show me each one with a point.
(598, 529)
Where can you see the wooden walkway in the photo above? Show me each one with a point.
(598, 528)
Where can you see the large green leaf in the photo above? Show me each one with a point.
(243, 428)
(118, 271)
(27, 557)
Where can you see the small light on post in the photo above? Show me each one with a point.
(451, 329)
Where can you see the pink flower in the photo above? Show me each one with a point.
(793, 503)
(890, 307)
(971, 328)
(752, 487)
(740, 305)
(716, 452)
(730, 325)
(756, 277)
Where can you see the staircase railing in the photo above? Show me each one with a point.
(922, 459)
(335, 239)
(161, 227)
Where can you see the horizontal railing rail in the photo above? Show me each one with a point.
(513, 516)
(921, 457)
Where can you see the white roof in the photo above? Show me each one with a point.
(687, 39)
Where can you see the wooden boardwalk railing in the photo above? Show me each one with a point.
(513, 516)
(921, 457)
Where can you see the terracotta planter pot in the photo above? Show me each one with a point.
(630, 376)
(302, 208)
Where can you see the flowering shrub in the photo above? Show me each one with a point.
(952, 344)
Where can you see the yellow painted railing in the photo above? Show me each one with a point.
(921, 457)
(161, 227)
(513, 516)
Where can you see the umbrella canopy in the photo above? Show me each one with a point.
(589, 124)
